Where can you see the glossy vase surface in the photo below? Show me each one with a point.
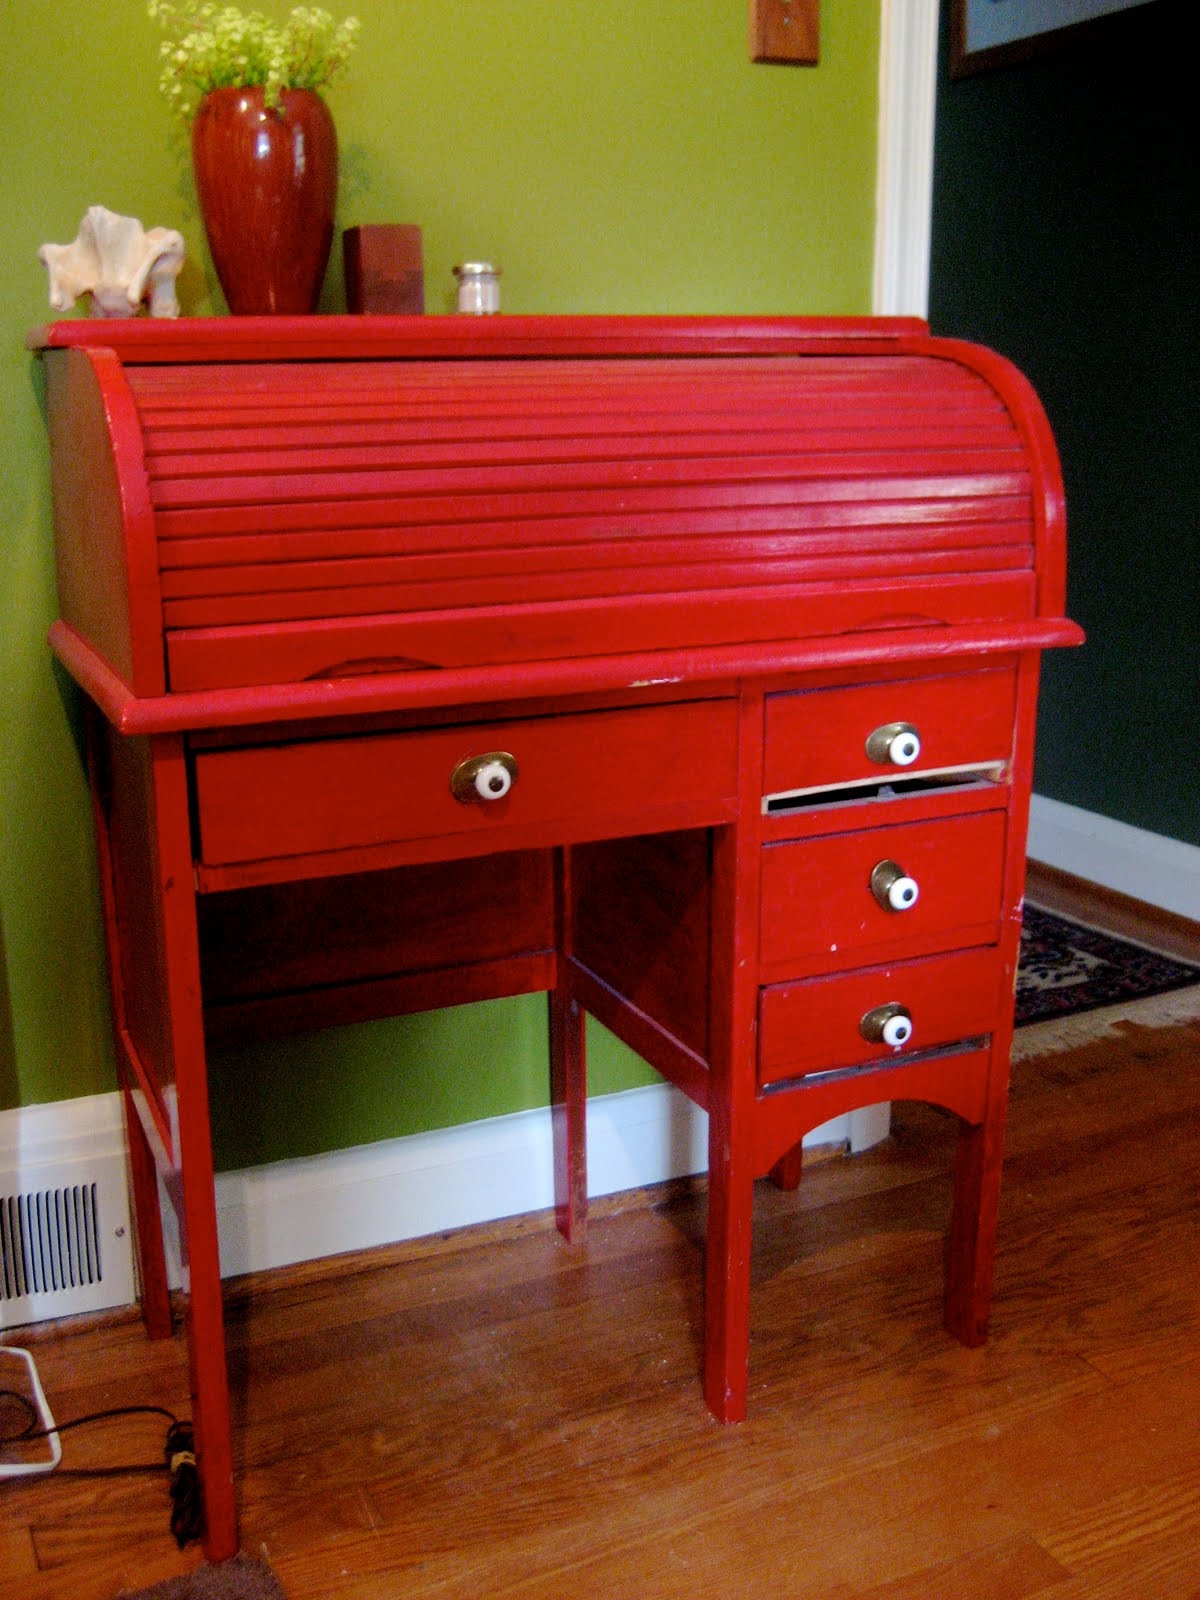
(267, 185)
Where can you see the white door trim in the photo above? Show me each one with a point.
(908, 38)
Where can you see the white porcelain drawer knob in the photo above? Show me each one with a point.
(889, 1024)
(893, 888)
(479, 780)
(895, 744)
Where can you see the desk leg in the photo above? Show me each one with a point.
(727, 1275)
(568, 1111)
(787, 1171)
(197, 1202)
(206, 1355)
(733, 1006)
(143, 1177)
(971, 1246)
(727, 1247)
(568, 1073)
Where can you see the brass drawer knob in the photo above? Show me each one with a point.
(479, 780)
(895, 744)
(889, 1024)
(893, 888)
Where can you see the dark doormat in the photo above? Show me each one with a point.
(239, 1579)
(1068, 970)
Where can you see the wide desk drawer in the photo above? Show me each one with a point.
(596, 771)
(880, 732)
(850, 898)
(878, 1015)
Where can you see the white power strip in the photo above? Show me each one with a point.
(25, 1469)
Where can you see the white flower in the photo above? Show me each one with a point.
(211, 48)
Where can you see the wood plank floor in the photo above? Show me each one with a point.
(493, 1414)
(1105, 908)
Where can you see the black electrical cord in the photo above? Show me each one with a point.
(179, 1457)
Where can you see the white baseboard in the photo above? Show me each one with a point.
(1148, 866)
(428, 1183)
(85, 1128)
(288, 1211)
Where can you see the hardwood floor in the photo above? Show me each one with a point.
(493, 1414)
(1105, 908)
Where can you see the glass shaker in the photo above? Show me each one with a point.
(478, 287)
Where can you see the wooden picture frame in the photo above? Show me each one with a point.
(993, 33)
(787, 31)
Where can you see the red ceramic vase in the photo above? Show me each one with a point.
(267, 184)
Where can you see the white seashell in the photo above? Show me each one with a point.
(118, 263)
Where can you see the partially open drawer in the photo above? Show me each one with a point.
(536, 780)
(888, 732)
(878, 1015)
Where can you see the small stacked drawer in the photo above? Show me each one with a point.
(882, 877)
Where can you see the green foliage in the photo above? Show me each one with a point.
(221, 47)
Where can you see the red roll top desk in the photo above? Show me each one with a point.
(684, 668)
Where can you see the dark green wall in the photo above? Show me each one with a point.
(1065, 235)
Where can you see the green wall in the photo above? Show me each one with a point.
(1066, 233)
(625, 157)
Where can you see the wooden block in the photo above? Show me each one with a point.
(384, 269)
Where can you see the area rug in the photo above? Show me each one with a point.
(1077, 982)
(239, 1579)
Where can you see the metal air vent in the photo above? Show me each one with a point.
(64, 1245)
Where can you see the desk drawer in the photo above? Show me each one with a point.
(588, 770)
(817, 1025)
(818, 738)
(820, 911)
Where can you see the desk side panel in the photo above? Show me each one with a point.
(142, 978)
(292, 956)
(1048, 498)
(105, 543)
(642, 923)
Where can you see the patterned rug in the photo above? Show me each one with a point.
(239, 1579)
(1068, 969)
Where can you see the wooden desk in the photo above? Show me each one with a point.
(683, 668)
